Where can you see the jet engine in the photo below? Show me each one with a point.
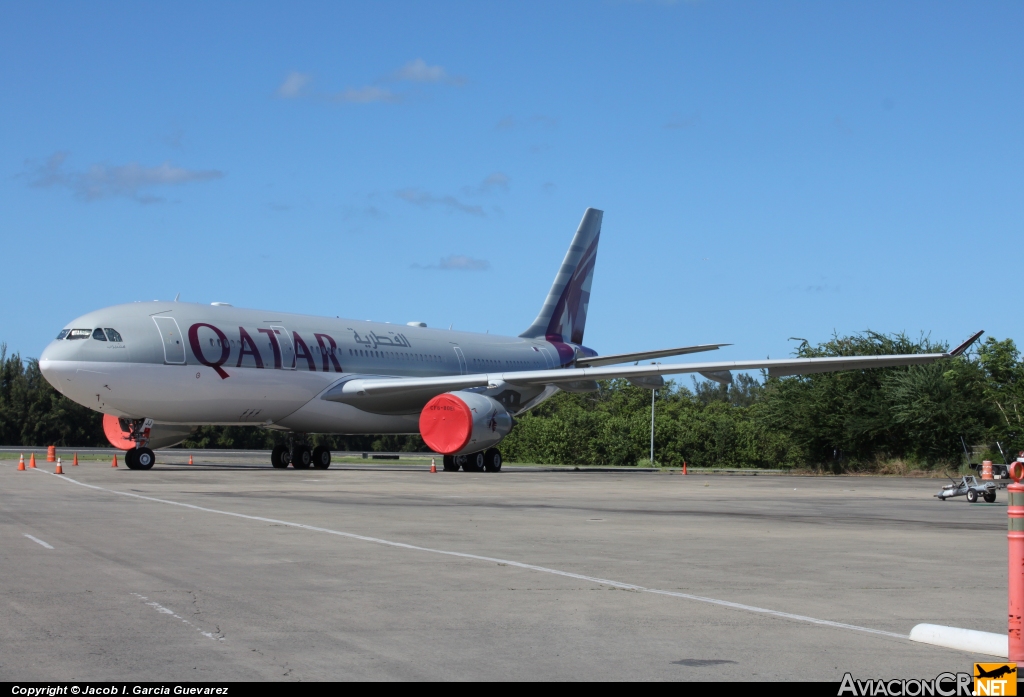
(456, 423)
(160, 435)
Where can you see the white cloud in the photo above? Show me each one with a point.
(294, 85)
(425, 199)
(460, 262)
(418, 71)
(496, 181)
(457, 262)
(297, 85)
(131, 180)
(367, 95)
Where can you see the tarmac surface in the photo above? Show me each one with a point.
(231, 570)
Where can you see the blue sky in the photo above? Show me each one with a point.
(767, 170)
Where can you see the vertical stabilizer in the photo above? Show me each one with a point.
(564, 314)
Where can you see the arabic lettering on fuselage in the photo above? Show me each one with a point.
(373, 340)
(214, 349)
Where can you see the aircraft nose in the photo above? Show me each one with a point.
(47, 354)
(46, 368)
(52, 369)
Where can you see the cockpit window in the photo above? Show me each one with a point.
(63, 333)
(114, 336)
(99, 335)
(79, 334)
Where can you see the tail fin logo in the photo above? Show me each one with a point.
(570, 315)
(563, 317)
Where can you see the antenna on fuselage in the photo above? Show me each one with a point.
(176, 297)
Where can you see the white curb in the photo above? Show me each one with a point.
(968, 640)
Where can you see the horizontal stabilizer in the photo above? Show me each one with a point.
(617, 358)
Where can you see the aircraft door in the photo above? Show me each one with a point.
(171, 338)
(284, 340)
(462, 360)
(548, 361)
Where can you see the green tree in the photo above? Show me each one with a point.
(32, 413)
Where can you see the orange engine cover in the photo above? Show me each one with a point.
(117, 437)
(454, 423)
(160, 436)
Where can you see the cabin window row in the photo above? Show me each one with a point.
(508, 362)
(368, 353)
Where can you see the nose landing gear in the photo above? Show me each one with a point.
(140, 457)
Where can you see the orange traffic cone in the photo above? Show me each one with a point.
(21, 463)
(684, 466)
(58, 470)
(51, 453)
(114, 463)
(190, 459)
(32, 461)
(74, 463)
(433, 466)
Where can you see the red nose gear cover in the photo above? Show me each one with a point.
(113, 432)
(446, 424)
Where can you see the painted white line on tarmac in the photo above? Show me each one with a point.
(161, 609)
(507, 562)
(38, 541)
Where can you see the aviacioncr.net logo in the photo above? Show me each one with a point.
(943, 685)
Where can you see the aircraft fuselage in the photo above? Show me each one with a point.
(186, 363)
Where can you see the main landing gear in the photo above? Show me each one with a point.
(300, 456)
(484, 461)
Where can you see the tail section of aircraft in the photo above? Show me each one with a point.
(563, 316)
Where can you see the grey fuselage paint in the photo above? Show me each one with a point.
(186, 363)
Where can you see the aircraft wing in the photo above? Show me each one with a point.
(420, 390)
(643, 355)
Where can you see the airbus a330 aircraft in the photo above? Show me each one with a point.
(156, 370)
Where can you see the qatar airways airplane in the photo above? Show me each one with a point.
(157, 370)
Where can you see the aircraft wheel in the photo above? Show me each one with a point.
(492, 460)
(280, 457)
(449, 464)
(990, 497)
(130, 459)
(301, 457)
(474, 463)
(321, 457)
(972, 496)
(144, 459)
